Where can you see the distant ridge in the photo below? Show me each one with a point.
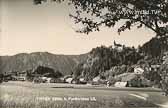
(24, 61)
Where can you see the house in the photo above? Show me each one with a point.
(82, 81)
(69, 80)
(138, 70)
(131, 80)
(44, 78)
(124, 79)
(96, 79)
(48, 80)
(21, 76)
(121, 84)
(52, 80)
(155, 67)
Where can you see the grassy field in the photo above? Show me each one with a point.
(29, 95)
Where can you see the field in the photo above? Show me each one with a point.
(29, 95)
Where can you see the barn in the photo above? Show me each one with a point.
(131, 80)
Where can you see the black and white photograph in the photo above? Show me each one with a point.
(83, 53)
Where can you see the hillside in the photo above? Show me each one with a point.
(156, 47)
(23, 61)
(121, 58)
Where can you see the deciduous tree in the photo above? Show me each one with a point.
(152, 14)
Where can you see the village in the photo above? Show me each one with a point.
(128, 79)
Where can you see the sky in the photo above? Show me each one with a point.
(26, 28)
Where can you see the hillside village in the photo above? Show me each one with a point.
(124, 80)
(116, 65)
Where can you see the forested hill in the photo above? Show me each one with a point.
(121, 58)
(156, 47)
(23, 61)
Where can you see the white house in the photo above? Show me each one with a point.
(82, 79)
(48, 80)
(21, 78)
(69, 80)
(138, 70)
(155, 67)
(44, 78)
(121, 84)
(96, 79)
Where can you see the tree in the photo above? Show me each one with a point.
(1, 77)
(78, 70)
(164, 76)
(47, 72)
(136, 82)
(92, 14)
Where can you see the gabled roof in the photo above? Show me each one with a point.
(126, 76)
(96, 78)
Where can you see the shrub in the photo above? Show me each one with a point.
(164, 78)
(1, 78)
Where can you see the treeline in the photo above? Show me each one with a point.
(155, 49)
(42, 71)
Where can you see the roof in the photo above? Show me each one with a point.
(67, 76)
(126, 76)
(120, 84)
(96, 78)
(155, 66)
(69, 80)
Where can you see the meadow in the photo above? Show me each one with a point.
(29, 95)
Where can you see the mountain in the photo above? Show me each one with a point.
(23, 61)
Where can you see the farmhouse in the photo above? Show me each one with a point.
(138, 70)
(155, 67)
(131, 80)
(121, 84)
(96, 79)
(69, 80)
(48, 80)
(7, 76)
(124, 79)
(81, 80)
(21, 76)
